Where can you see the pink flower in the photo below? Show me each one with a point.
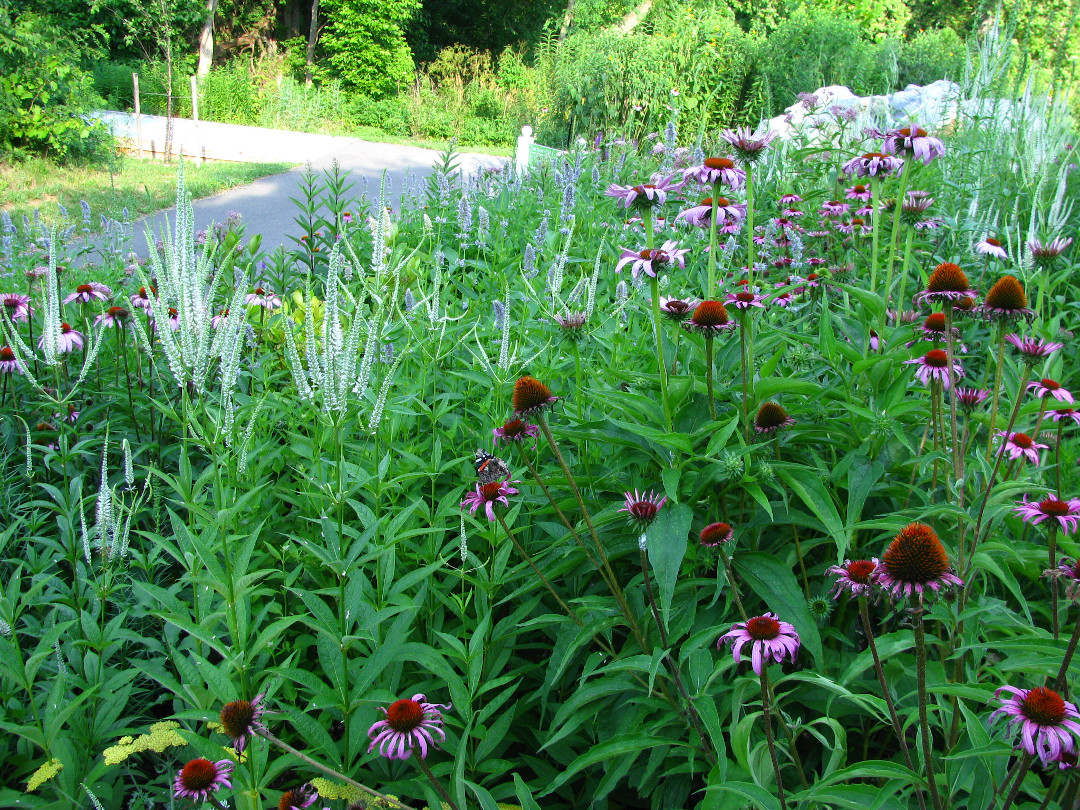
(1033, 348)
(260, 297)
(911, 140)
(85, 293)
(16, 306)
(1021, 445)
(113, 316)
(991, 247)
(748, 144)
(1047, 721)
(408, 723)
(242, 718)
(200, 778)
(8, 363)
(642, 507)
(700, 216)
(710, 319)
(651, 260)
(915, 563)
(970, 398)
(676, 309)
(717, 170)
(515, 431)
(934, 367)
(219, 319)
(716, 534)
(489, 494)
(1045, 253)
(1066, 513)
(298, 798)
(141, 299)
(857, 578)
(69, 339)
(1050, 388)
(744, 300)
(643, 196)
(834, 208)
(858, 192)
(770, 640)
(874, 164)
(1057, 414)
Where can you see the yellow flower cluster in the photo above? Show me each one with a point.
(44, 774)
(162, 735)
(332, 791)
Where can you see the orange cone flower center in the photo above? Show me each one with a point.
(1045, 706)
(763, 628)
(404, 715)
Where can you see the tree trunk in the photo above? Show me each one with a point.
(568, 17)
(630, 21)
(313, 35)
(206, 39)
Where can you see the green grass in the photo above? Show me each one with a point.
(140, 185)
(378, 136)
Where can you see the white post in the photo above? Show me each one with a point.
(524, 142)
(138, 115)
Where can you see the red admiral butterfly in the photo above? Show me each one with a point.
(490, 468)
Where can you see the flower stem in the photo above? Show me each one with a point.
(924, 722)
(1059, 684)
(767, 720)
(525, 555)
(735, 587)
(745, 392)
(712, 240)
(864, 612)
(709, 374)
(751, 248)
(1053, 580)
(904, 273)
(894, 241)
(431, 778)
(1025, 765)
(284, 746)
(996, 392)
(660, 351)
(875, 234)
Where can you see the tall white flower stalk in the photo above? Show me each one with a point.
(332, 367)
(193, 350)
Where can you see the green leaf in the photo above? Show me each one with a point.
(634, 742)
(667, 545)
(806, 483)
(775, 584)
(758, 796)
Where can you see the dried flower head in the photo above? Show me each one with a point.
(771, 418)
(946, 283)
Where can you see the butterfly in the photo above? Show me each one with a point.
(489, 468)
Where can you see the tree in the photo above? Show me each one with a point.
(206, 39)
(364, 41)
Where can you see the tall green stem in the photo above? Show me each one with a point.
(710, 290)
(894, 241)
(660, 351)
(709, 374)
(995, 393)
(751, 248)
(924, 722)
(766, 717)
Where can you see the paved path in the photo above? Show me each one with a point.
(265, 204)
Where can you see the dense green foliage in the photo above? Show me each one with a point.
(273, 505)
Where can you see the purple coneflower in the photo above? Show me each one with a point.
(489, 494)
(515, 431)
(709, 318)
(642, 507)
(912, 140)
(857, 578)
(219, 319)
(298, 798)
(200, 778)
(16, 307)
(1066, 513)
(69, 339)
(113, 316)
(532, 396)
(1046, 253)
(790, 199)
(716, 534)
(990, 246)
(834, 208)
(970, 398)
(771, 418)
(874, 164)
(749, 145)
(858, 192)
(242, 718)
(651, 260)
(700, 216)
(142, 299)
(1019, 445)
(915, 563)
(744, 299)
(770, 640)
(947, 282)
(85, 293)
(717, 170)
(856, 225)
(646, 195)
(409, 723)
(1047, 721)
(260, 297)
(676, 309)
(1058, 414)
(1050, 388)
(934, 366)
(1033, 348)
(8, 363)
(1006, 301)
(1070, 572)
(933, 329)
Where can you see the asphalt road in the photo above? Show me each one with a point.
(265, 205)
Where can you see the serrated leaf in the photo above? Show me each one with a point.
(667, 545)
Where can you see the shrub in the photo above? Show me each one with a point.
(366, 46)
(932, 55)
(391, 114)
(230, 93)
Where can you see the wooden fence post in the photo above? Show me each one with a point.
(138, 116)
